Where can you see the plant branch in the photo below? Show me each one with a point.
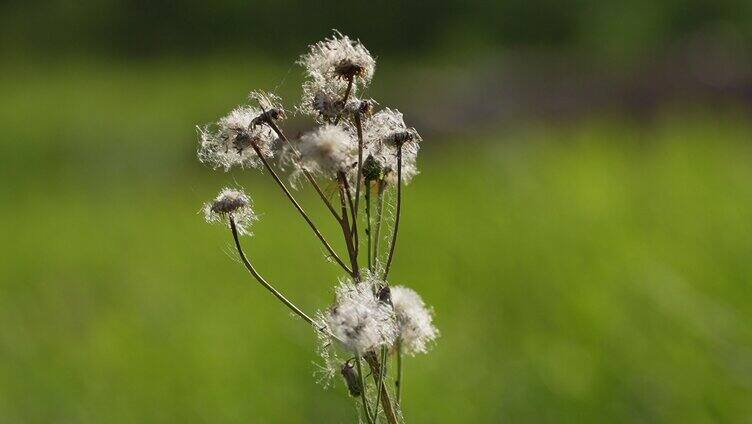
(261, 279)
(381, 381)
(398, 380)
(397, 214)
(368, 223)
(347, 232)
(300, 209)
(379, 216)
(371, 418)
(307, 174)
(386, 401)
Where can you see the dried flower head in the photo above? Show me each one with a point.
(339, 57)
(321, 100)
(230, 141)
(414, 320)
(382, 134)
(358, 318)
(271, 106)
(234, 204)
(328, 150)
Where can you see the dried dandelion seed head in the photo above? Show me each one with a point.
(382, 134)
(414, 320)
(231, 203)
(359, 319)
(321, 100)
(339, 57)
(230, 141)
(328, 150)
(271, 106)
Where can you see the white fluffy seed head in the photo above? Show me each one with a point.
(228, 142)
(231, 203)
(414, 320)
(339, 57)
(358, 319)
(321, 100)
(381, 134)
(328, 150)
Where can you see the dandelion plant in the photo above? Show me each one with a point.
(363, 157)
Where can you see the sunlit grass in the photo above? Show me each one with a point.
(591, 273)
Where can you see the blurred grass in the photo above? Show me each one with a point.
(590, 272)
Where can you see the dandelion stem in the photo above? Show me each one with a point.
(386, 401)
(347, 230)
(354, 232)
(307, 174)
(379, 215)
(350, 81)
(359, 127)
(397, 213)
(366, 409)
(398, 380)
(381, 381)
(368, 223)
(300, 209)
(261, 279)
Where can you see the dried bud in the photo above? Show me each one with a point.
(346, 69)
(243, 140)
(385, 295)
(400, 138)
(372, 169)
(350, 374)
(273, 114)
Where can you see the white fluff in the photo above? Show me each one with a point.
(227, 143)
(414, 320)
(233, 203)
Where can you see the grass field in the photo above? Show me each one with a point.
(591, 272)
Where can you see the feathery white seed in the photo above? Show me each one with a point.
(359, 319)
(228, 142)
(234, 203)
(339, 57)
(328, 150)
(414, 320)
(379, 132)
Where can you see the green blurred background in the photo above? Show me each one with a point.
(582, 224)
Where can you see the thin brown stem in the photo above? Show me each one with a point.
(386, 400)
(379, 217)
(384, 351)
(300, 209)
(397, 213)
(261, 279)
(366, 409)
(350, 82)
(398, 380)
(347, 232)
(354, 232)
(368, 224)
(307, 174)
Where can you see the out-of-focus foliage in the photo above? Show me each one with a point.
(148, 28)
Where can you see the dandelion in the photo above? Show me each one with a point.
(328, 150)
(339, 57)
(233, 140)
(383, 133)
(359, 320)
(366, 152)
(414, 320)
(231, 203)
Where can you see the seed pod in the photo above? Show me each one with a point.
(400, 138)
(385, 295)
(350, 374)
(371, 169)
(272, 114)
